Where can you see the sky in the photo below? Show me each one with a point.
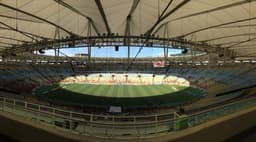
(110, 51)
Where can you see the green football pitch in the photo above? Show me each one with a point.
(119, 95)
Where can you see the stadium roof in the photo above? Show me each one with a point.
(228, 23)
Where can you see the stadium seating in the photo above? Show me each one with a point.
(129, 78)
(24, 78)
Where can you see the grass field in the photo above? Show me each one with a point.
(121, 95)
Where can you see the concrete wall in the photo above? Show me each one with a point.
(217, 130)
(26, 132)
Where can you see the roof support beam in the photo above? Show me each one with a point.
(238, 26)
(127, 26)
(241, 42)
(7, 43)
(13, 39)
(229, 36)
(80, 13)
(18, 18)
(134, 6)
(227, 43)
(165, 9)
(160, 19)
(129, 17)
(29, 35)
(215, 9)
(158, 28)
(235, 44)
(37, 17)
(247, 46)
(103, 15)
(14, 29)
(1, 50)
(218, 25)
(163, 17)
(206, 12)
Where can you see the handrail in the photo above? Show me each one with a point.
(116, 116)
(104, 125)
(222, 106)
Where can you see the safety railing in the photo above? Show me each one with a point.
(210, 114)
(123, 127)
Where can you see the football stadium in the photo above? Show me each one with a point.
(127, 70)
